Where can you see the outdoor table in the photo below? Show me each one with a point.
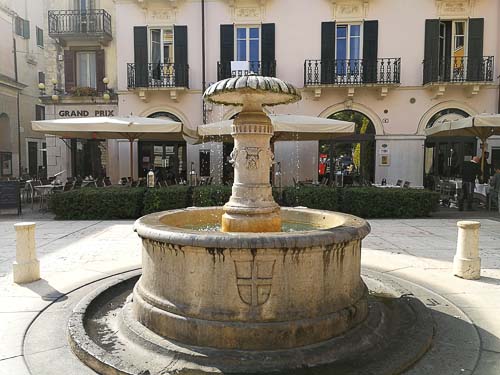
(44, 191)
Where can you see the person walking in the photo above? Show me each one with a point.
(471, 171)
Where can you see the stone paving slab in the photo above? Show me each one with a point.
(419, 250)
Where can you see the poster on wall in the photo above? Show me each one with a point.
(6, 163)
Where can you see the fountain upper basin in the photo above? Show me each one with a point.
(255, 291)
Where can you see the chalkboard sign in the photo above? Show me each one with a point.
(9, 196)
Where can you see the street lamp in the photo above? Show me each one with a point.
(106, 95)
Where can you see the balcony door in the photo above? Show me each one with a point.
(348, 49)
(247, 48)
(452, 50)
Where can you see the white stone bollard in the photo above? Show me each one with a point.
(26, 268)
(466, 262)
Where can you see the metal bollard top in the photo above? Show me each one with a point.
(24, 225)
(469, 224)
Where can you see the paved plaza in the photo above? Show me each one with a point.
(75, 253)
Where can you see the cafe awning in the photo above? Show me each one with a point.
(286, 128)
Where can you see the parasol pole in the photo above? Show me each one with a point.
(131, 140)
(483, 147)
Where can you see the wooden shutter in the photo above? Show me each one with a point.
(475, 70)
(141, 56)
(431, 51)
(327, 52)
(181, 56)
(370, 51)
(100, 70)
(226, 51)
(69, 70)
(268, 50)
(26, 29)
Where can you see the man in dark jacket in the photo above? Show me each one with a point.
(471, 170)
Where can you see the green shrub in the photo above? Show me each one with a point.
(98, 204)
(212, 195)
(130, 203)
(169, 198)
(388, 203)
(320, 197)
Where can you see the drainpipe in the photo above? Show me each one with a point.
(203, 78)
(18, 122)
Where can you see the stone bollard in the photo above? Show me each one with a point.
(466, 263)
(26, 268)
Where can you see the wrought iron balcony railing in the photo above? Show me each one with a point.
(261, 68)
(459, 69)
(352, 72)
(155, 75)
(80, 23)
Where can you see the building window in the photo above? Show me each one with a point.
(84, 4)
(162, 46)
(41, 77)
(204, 163)
(39, 37)
(39, 112)
(86, 69)
(247, 43)
(347, 47)
(22, 27)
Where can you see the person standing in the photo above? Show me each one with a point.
(471, 171)
(495, 184)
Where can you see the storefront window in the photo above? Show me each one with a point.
(89, 157)
(166, 159)
(444, 156)
(353, 156)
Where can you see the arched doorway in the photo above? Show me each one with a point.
(352, 156)
(444, 156)
(166, 158)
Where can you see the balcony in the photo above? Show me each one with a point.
(80, 25)
(383, 72)
(228, 69)
(154, 76)
(470, 72)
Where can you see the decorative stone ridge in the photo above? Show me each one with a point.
(455, 8)
(350, 9)
(233, 91)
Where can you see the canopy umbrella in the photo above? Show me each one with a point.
(131, 128)
(482, 126)
(286, 128)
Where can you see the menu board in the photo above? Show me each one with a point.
(9, 196)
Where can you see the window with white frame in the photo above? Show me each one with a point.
(161, 45)
(347, 47)
(86, 69)
(247, 43)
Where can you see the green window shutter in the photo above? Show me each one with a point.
(370, 51)
(226, 51)
(181, 56)
(431, 51)
(327, 52)
(268, 43)
(475, 71)
(141, 56)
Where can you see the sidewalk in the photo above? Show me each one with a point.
(73, 253)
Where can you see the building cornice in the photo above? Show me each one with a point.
(8, 82)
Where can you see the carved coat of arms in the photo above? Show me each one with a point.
(254, 279)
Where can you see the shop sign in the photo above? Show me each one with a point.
(86, 112)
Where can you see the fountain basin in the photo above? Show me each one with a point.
(250, 291)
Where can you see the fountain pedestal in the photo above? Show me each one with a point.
(251, 207)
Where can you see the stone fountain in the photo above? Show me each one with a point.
(249, 298)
